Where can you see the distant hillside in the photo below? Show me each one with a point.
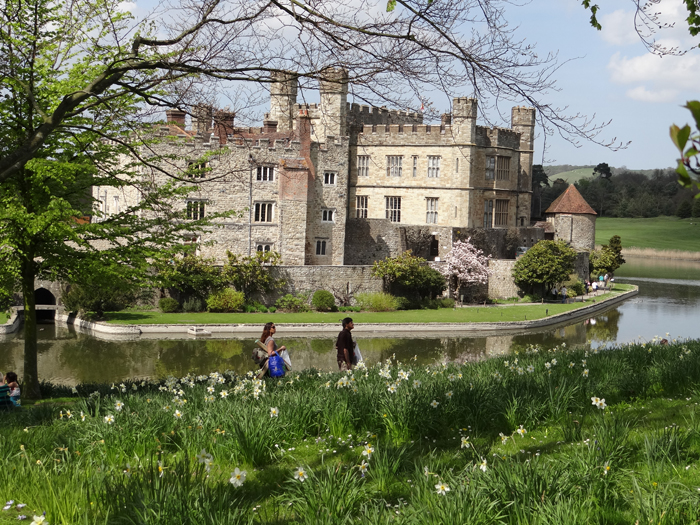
(572, 174)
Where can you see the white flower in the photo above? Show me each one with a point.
(601, 404)
(483, 466)
(210, 390)
(530, 369)
(520, 370)
(109, 419)
(606, 469)
(504, 439)
(548, 365)
(82, 416)
(434, 404)
(392, 389)
(40, 520)
(442, 488)
(300, 474)
(274, 412)
(74, 390)
(449, 394)
(68, 414)
(416, 383)
(465, 442)
(223, 394)
(403, 375)
(595, 400)
(363, 467)
(521, 431)
(585, 373)
(178, 414)
(204, 457)
(238, 477)
(554, 362)
(572, 364)
(118, 406)
(368, 451)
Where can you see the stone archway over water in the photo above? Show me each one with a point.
(43, 298)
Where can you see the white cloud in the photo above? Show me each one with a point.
(618, 28)
(126, 7)
(659, 96)
(678, 73)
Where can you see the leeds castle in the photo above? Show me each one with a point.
(336, 183)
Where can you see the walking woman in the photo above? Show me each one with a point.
(268, 342)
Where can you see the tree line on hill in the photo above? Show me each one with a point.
(624, 193)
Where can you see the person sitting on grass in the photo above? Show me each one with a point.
(5, 403)
(11, 381)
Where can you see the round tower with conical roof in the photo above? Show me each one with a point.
(573, 219)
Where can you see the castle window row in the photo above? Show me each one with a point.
(195, 210)
(497, 167)
(266, 174)
(264, 247)
(327, 215)
(197, 170)
(263, 212)
(329, 178)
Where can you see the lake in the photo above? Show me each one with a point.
(668, 302)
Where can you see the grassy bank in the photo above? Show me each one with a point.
(472, 314)
(512, 439)
(4, 317)
(658, 233)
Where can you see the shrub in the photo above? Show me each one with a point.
(410, 276)
(272, 309)
(168, 305)
(291, 303)
(574, 287)
(226, 300)
(376, 302)
(193, 304)
(446, 302)
(324, 301)
(99, 298)
(403, 303)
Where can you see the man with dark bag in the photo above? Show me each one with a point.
(345, 346)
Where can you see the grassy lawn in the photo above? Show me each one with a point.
(472, 314)
(4, 317)
(510, 440)
(658, 233)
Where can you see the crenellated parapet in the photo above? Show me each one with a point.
(361, 115)
(497, 137)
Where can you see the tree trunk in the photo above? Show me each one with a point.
(30, 386)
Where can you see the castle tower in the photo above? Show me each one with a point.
(283, 97)
(523, 121)
(202, 116)
(334, 103)
(573, 219)
(464, 119)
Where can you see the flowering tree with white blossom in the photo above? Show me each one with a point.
(465, 265)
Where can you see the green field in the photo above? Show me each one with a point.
(572, 176)
(658, 233)
(551, 436)
(473, 314)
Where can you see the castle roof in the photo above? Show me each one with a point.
(571, 201)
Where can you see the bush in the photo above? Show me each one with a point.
(324, 301)
(272, 309)
(193, 304)
(403, 303)
(574, 287)
(226, 300)
(168, 305)
(289, 303)
(376, 302)
(98, 298)
(446, 302)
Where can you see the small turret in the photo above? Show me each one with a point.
(464, 111)
(334, 102)
(283, 97)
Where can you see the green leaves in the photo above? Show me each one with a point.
(688, 144)
(390, 6)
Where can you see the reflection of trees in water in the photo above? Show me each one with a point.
(571, 335)
(92, 361)
(606, 326)
(179, 358)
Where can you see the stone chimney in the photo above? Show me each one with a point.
(202, 116)
(175, 116)
(304, 135)
(223, 125)
(269, 126)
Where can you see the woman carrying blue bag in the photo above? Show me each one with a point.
(277, 358)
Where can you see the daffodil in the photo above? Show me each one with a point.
(465, 442)
(442, 488)
(363, 467)
(368, 451)
(300, 474)
(237, 477)
(109, 419)
(483, 466)
(274, 412)
(434, 404)
(521, 431)
(178, 414)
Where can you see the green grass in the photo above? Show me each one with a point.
(548, 454)
(572, 176)
(4, 317)
(471, 314)
(658, 233)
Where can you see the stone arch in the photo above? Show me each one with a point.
(44, 296)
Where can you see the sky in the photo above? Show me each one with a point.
(607, 74)
(615, 77)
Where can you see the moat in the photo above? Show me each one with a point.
(668, 302)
